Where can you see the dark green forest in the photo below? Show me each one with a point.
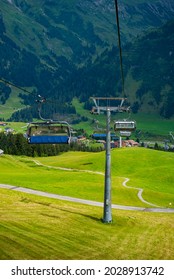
(16, 144)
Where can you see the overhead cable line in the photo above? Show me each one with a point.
(40, 99)
(18, 87)
(120, 48)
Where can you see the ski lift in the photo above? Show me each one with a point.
(125, 133)
(124, 125)
(50, 132)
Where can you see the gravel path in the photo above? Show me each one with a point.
(84, 201)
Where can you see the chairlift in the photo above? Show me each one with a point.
(125, 125)
(125, 133)
(49, 132)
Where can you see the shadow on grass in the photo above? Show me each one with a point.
(71, 212)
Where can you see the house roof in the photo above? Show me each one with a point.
(3, 123)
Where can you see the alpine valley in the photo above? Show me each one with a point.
(63, 49)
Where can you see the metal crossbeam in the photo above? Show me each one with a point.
(108, 98)
(119, 108)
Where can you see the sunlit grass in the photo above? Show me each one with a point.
(25, 173)
(147, 169)
(38, 228)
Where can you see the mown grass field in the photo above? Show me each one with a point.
(39, 228)
(24, 172)
(147, 169)
(34, 227)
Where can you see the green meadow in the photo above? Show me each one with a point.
(38, 228)
(147, 169)
(33, 227)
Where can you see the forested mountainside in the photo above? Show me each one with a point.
(78, 29)
(64, 48)
(148, 70)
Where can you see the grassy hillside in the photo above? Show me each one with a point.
(132, 163)
(39, 228)
(24, 172)
(19, 127)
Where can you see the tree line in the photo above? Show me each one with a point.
(17, 144)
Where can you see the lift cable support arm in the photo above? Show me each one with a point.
(107, 100)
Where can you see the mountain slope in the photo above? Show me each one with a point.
(78, 29)
(44, 43)
(148, 69)
(152, 62)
